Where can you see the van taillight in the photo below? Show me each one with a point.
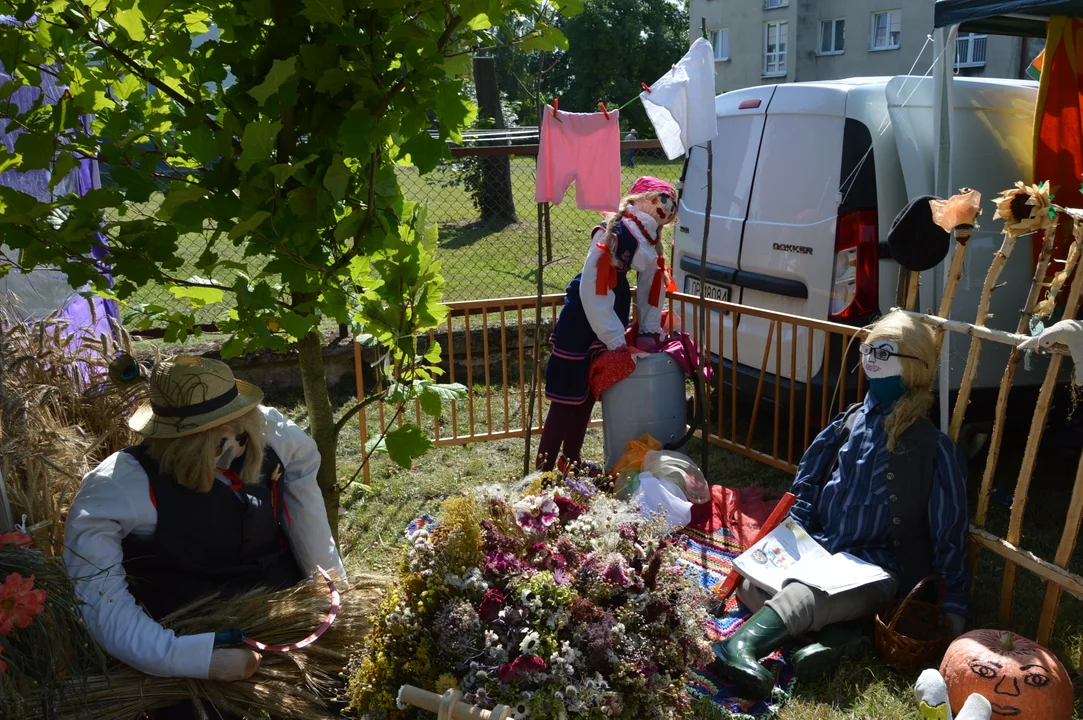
(855, 281)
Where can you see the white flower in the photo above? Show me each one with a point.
(530, 643)
(520, 712)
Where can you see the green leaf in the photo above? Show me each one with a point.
(348, 226)
(332, 81)
(37, 151)
(424, 151)
(479, 22)
(196, 22)
(458, 65)
(282, 71)
(337, 178)
(257, 143)
(323, 11)
(9, 161)
(569, 8)
(127, 85)
(136, 185)
(406, 443)
(246, 226)
(201, 144)
(132, 22)
(65, 163)
(297, 325)
(199, 295)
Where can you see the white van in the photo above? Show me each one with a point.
(807, 178)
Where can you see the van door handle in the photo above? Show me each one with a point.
(683, 229)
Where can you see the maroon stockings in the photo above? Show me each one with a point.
(564, 425)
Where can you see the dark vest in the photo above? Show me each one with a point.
(909, 486)
(221, 541)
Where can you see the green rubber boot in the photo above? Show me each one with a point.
(739, 656)
(830, 646)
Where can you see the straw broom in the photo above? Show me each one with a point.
(305, 684)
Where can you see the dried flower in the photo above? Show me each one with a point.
(19, 602)
(1024, 208)
(491, 605)
(535, 513)
(18, 539)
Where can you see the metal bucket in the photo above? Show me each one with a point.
(650, 400)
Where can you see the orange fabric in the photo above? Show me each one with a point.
(632, 459)
(1058, 129)
(607, 274)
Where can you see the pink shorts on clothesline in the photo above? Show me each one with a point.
(584, 147)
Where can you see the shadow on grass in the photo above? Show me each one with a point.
(459, 235)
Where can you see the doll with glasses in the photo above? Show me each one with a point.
(882, 484)
(597, 309)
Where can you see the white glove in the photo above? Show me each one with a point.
(931, 693)
(976, 707)
(230, 664)
(1068, 333)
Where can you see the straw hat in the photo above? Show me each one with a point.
(191, 394)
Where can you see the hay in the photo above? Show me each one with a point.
(58, 418)
(302, 685)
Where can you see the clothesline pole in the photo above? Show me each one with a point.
(705, 352)
(543, 232)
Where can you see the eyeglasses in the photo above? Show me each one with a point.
(882, 354)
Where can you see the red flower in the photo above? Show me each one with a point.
(19, 602)
(18, 539)
(491, 605)
(523, 666)
(569, 509)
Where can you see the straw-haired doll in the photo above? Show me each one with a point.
(597, 309)
(882, 484)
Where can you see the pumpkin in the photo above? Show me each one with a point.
(1018, 677)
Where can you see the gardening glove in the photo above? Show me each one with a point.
(976, 707)
(931, 692)
(230, 664)
(957, 622)
(1068, 333)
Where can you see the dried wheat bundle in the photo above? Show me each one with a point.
(301, 685)
(59, 416)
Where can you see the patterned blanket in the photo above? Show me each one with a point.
(709, 558)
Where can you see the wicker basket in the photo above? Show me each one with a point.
(913, 632)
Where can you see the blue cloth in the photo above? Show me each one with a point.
(228, 637)
(887, 390)
(851, 513)
(567, 374)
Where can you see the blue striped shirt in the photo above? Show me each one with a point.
(851, 511)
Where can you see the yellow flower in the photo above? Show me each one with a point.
(446, 682)
(1024, 208)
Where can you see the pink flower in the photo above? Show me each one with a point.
(535, 513)
(491, 605)
(522, 667)
(19, 602)
(18, 539)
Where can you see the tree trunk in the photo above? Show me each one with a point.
(321, 421)
(497, 205)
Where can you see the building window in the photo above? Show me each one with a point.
(774, 48)
(772, 4)
(720, 41)
(970, 50)
(832, 35)
(886, 30)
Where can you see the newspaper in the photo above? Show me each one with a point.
(789, 554)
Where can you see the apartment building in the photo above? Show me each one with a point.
(770, 41)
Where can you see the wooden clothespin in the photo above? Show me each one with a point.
(604, 111)
(646, 87)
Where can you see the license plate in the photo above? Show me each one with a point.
(712, 292)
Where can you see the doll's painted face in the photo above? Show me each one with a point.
(880, 359)
(661, 206)
(232, 442)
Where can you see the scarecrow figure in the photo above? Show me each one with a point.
(597, 308)
(220, 497)
(881, 483)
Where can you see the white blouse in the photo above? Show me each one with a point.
(114, 502)
(599, 308)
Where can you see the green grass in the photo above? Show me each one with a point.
(862, 688)
(479, 261)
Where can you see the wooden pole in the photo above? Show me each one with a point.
(955, 272)
(704, 351)
(535, 380)
(1068, 539)
(1030, 455)
(912, 286)
(1006, 382)
(1000, 259)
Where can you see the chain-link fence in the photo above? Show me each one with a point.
(484, 206)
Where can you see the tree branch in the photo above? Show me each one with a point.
(511, 43)
(358, 407)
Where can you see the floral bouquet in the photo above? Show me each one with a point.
(558, 601)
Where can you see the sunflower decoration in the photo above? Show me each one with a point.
(1025, 208)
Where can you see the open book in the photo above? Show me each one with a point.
(789, 554)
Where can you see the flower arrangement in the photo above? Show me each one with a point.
(558, 601)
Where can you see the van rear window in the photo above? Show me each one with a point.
(858, 173)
